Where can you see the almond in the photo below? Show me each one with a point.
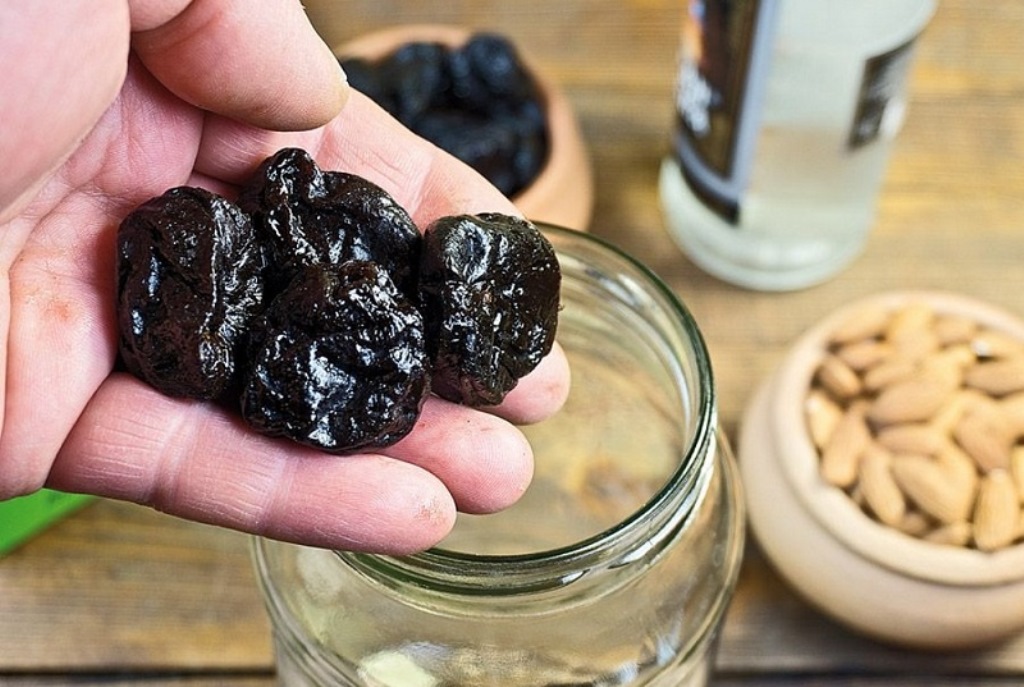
(959, 467)
(953, 534)
(912, 437)
(948, 365)
(878, 487)
(998, 377)
(997, 512)
(958, 404)
(861, 355)
(985, 436)
(838, 379)
(866, 323)
(841, 457)
(1013, 413)
(915, 523)
(822, 415)
(889, 372)
(924, 483)
(913, 400)
(915, 344)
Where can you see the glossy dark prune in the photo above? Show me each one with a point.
(337, 361)
(478, 102)
(189, 280)
(489, 293)
(309, 216)
(488, 75)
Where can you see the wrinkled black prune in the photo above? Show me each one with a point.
(488, 75)
(477, 102)
(189, 279)
(309, 216)
(337, 361)
(489, 292)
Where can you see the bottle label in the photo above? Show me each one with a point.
(721, 78)
(881, 102)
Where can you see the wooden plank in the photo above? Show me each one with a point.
(118, 586)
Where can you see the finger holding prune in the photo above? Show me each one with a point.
(489, 292)
(189, 280)
(309, 216)
(337, 361)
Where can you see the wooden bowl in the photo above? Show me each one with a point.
(563, 192)
(869, 576)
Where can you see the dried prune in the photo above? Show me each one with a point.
(309, 216)
(489, 292)
(476, 101)
(337, 361)
(189, 279)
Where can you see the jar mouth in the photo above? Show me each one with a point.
(622, 284)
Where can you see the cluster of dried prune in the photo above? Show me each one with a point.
(477, 101)
(316, 305)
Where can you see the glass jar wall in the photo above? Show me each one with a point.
(615, 568)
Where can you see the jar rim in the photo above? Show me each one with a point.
(673, 501)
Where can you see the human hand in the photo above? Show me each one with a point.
(127, 126)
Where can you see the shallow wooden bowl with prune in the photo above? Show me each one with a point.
(477, 96)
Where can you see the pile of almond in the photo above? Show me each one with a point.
(919, 416)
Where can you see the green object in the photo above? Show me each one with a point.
(24, 516)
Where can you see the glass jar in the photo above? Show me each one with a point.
(615, 568)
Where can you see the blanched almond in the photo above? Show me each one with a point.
(822, 415)
(953, 534)
(1013, 412)
(958, 404)
(998, 377)
(889, 372)
(838, 379)
(924, 483)
(959, 467)
(912, 437)
(997, 512)
(948, 366)
(861, 355)
(841, 457)
(866, 323)
(915, 345)
(878, 487)
(928, 486)
(984, 435)
(915, 523)
(913, 400)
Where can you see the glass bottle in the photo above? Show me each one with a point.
(786, 114)
(616, 567)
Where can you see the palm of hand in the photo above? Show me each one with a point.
(71, 422)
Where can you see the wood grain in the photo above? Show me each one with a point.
(118, 590)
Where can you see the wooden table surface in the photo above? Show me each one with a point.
(118, 593)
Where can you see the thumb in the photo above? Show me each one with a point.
(258, 61)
